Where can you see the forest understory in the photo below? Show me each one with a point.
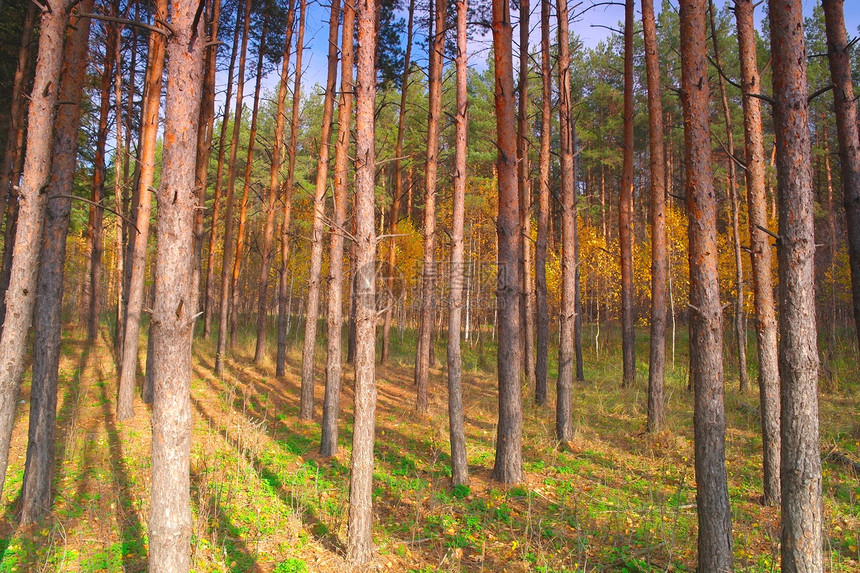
(617, 499)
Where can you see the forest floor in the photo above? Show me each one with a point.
(263, 499)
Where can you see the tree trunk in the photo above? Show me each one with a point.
(246, 189)
(456, 417)
(760, 253)
(398, 183)
(39, 467)
(148, 142)
(272, 196)
(739, 318)
(542, 310)
(659, 266)
(360, 525)
(524, 186)
(119, 152)
(306, 404)
(802, 535)
(428, 299)
(625, 210)
(224, 311)
(208, 288)
(331, 405)
(849, 141)
(509, 457)
(21, 294)
(563, 421)
(706, 334)
(174, 310)
(283, 289)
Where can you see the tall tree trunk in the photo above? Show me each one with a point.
(147, 149)
(283, 289)
(542, 310)
(398, 183)
(119, 152)
(246, 188)
(527, 319)
(740, 317)
(331, 405)
(625, 210)
(95, 225)
(760, 253)
(428, 299)
(802, 535)
(360, 526)
(175, 296)
(508, 467)
(456, 417)
(849, 141)
(306, 403)
(21, 294)
(706, 334)
(39, 467)
(564, 387)
(208, 286)
(659, 266)
(224, 311)
(272, 196)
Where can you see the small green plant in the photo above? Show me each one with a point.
(291, 565)
(461, 491)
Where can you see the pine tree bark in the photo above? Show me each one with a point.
(625, 210)
(706, 334)
(760, 252)
(39, 467)
(802, 534)
(306, 402)
(284, 289)
(508, 466)
(428, 298)
(147, 149)
(849, 141)
(564, 387)
(360, 524)
(659, 266)
(456, 416)
(21, 294)
(226, 261)
(541, 308)
(175, 296)
(331, 403)
(119, 152)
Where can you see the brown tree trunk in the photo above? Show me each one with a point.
(246, 189)
(398, 183)
(456, 417)
(148, 141)
(283, 288)
(208, 286)
(625, 210)
(524, 186)
(760, 253)
(849, 141)
(360, 525)
(802, 535)
(175, 296)
(706, 334)
(428, 299)
(508, 467)
(659, 266)
(119, 152)
(564, 387)
(542, 310)
(272, 196)
(306, 403)
(21, 294)
(331, 405)
(224, 311)
(39, 467)
(740, 317)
